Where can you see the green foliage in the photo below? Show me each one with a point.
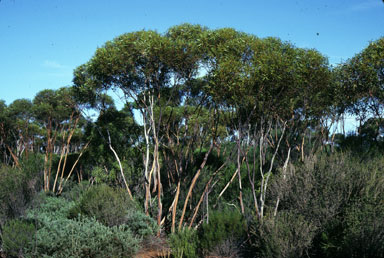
(108, 205)
(112, 207)
(329, 204)
(32, 167)
(83, 237)
(18, 187)
(58, 236)
(140, 224)
(222, 225)
(102, 176)
(364, 230)
(73, 191)
(184, 243)
(329, 207)
(287, 235)
(17, 235)
(47, 208)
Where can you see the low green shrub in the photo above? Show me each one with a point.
(83, 237)
(48, 208)
(286, 235)
(17, 235)
(184, 243)
(108, 205)
(18, 187)
(73, 191)
(58, 236)
(140, 224)
(222, 225)
(101, 176)
(364, 230)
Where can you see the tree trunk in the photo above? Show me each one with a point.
(193, 185)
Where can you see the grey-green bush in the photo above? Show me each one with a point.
(140, 224)
(58, 236)
(108, 205)
(83, 237)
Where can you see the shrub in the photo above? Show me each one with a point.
(49, 207)
(101, 176)
(228, 248)
(83, 237)
(364, 230)
(73, 191)
(222, 225)
(184, 243)
(18, 187)
(58, 236)
(16, 236)
(140, 224)
(286, 235)
(12, 196)
(106, 204)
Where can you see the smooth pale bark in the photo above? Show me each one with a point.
(284, 178)
(265, 177)
(65, 152)
(67, 148)
(239, 163)
(230, 181)
(121, 167)
(174, 207)
(203, 194)
(61, 186)
(147, 174)
(63, 149)
(15, 159)
(193, 185)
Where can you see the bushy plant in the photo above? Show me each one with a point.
(83, 237)
(101, 176)
(17, 235)
(12, 196)
(18, 187)
(59, 236)
(140, 224)
(73, 191)
(108, 205)
(286, 235)
(222, 225)
(48, 208)
(184, 243)
(228, 248)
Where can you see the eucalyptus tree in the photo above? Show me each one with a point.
(195, 88)
(6, 133)
(113, 138)
(361, 83)
(268, 86)
(149, 70)
(20, 111)
(56, 111)
(16, 129)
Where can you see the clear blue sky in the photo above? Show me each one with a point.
(42, 41)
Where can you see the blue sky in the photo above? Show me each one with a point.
(42, 41)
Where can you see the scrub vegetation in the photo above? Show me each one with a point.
(225, 146)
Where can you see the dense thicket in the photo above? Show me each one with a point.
(227, 140)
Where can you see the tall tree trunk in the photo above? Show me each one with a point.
(121, 167)
(193, 184)
(239, 169)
